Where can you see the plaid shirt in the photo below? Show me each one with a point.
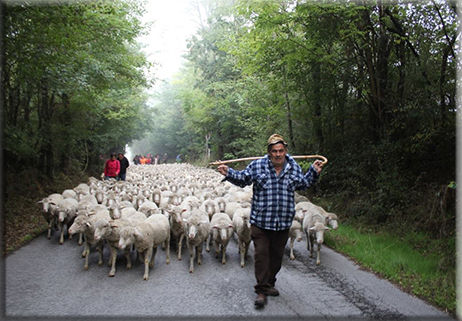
(273, 204)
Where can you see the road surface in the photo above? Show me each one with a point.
(47, 280)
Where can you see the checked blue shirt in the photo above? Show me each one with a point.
(273, 203)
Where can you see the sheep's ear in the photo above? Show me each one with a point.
(88, 224)
(185, 220)
(215, 226)
(138, 233)
(230, 225)
(204, 221)
(312, 228)
(40, 202)
(327, 228)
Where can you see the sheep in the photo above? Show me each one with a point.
(111, 197)
(197, 230)
(110, 231)
(241, 222)
(232, 207)
(222, 230)
(84, 224)
(49, 213)
(86, 202)
(146, 237)
(82, 190)
(300, 198)
(100, 196)
(295, 234)
(331, 218)
(314, 226)
(221, 203)
(177, 226)
(157, 196)
(148, 208)
(210, 207)
(67, 211)
(69, 193)
(138, 200)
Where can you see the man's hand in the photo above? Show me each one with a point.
(317, 166)
(223, 169)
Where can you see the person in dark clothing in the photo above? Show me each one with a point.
(124, 163)
(275, 179)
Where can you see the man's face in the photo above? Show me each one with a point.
(121, 156)
(277, 154)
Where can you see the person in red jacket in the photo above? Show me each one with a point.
(112, 167)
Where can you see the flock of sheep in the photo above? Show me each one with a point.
(170, 201)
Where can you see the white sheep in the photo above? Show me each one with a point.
(314, 228)
(146, 237)
(82, 190)
(177, 226)
(67, 211)
(149, 208)
(331, 218)
(84, 224)
(241, 222)
(197, 231)
(232, 207)
(210, 207)
(295, 234)
(50, 213)
(222, 231)
(69, 193)
(109, 230)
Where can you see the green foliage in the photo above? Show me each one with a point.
(73, 81)
(417, 270)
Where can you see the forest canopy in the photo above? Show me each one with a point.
(371, 85)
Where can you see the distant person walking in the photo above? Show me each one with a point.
(124, 163)
(112, 167)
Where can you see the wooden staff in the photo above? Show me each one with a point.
(324, 160)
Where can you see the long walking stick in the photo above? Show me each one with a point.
(324, 160)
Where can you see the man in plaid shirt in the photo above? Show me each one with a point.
(275, 178)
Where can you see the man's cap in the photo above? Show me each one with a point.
(275, 139)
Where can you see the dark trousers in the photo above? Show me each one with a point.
(269, 250)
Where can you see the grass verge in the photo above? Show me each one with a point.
(397, 259)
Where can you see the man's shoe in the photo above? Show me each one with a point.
(272, 292)
(260, 301)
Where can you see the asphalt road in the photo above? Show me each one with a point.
(47, 280)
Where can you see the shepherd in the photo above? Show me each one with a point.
(275, 178)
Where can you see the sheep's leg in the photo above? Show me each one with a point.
(307, 241)
(154, 251)
(113, 261)
(318, 257)
(191, 258)
(147, 258)
(49, 228)
(207, 245)
(167, 249)
(99, 248)
(311, 245)
(180, 245)
(292, 256)
(84, 252)
(61, 237)
(242, 253)
(127, 256)
(199, 254)
(80, 239)
(87, 254)
(223, 254)
(216, 248)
